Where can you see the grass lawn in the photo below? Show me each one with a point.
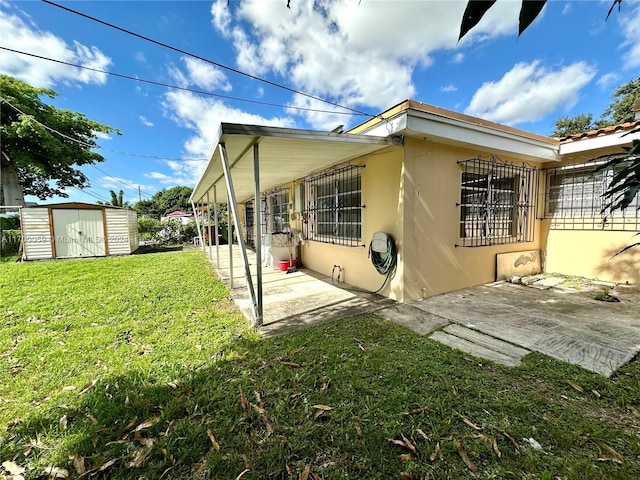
(141, 367)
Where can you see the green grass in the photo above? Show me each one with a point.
(184, 389)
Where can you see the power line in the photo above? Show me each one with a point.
(176, 87)
(119, 180)
(95, 145)
(87, 192)
(206, 60)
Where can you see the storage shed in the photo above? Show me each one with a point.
(75, 229)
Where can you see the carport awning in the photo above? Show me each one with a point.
(285, 154)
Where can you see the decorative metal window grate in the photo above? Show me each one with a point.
(249, 224)
(333, 206)
(573, 199)
(497, 202)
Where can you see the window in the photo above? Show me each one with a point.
(496, 203)
(275, 211)
(573, 200)
(333, 207)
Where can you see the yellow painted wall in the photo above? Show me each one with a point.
(433, 264)
(587, 253)
(381, 194)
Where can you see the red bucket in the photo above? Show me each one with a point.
(284, 265)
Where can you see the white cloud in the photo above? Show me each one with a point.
(161, 177)
(566, 10)
(205, 75)
(361, 54)
(448, 88)
(530, 91)
(146, 121)
(203, 116)
(119, 183)
(139, 56)
(457, 58)
(630, 24)
(607, 80)
(20, 33)
(102, 135)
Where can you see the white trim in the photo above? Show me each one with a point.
(604, 141)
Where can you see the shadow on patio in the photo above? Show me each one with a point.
(290, 300)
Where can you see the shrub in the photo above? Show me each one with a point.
(148, 228)
(10, 242)
(10, 222)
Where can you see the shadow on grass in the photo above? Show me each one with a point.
(333, 397)
(158, 249)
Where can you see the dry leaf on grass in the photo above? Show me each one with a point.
(147, 442)
(215, 444)
(147, 424)
(305, 473)
(242, 473)
(13, 468)
(244, 403)
(63, 422)
(320, 409)
(634, 410)
(92, 419)
(78, 463)
(87, 386)
(511, 439)
(611, 455)
(407, 456)
(108, 464)
(416, 411)
(139, 457)
(56, 472)
(424, 435)
(471, 424)
(575, 385)
(465, 458)
(125, 431)
(494, 445)
(408, 476)
(290, 364)
(168, 456)
(356, 422)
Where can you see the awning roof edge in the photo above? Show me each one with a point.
(286, 154)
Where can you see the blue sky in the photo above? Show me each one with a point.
(365, 54)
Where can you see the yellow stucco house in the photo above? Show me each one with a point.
(467, 201)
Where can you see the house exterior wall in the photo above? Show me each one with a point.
(36, 233)
(583, 247)
(381, 195)
(432, 262)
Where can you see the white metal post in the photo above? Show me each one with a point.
(258, 227)
(195, 212)
(215, 223)
(241, 244)
(209, 227)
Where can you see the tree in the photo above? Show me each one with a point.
(565, 126)
(117, 200)
(621, 109)
(165, 201)
(529, 11)
(42, 145)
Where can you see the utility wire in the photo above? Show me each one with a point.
(192, 90)
(119, 180)
(87, 192)
(95, 145)
(206, 60)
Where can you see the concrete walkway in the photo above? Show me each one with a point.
(503, 322)
(500, 322)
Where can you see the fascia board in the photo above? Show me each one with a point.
(455, 132)
(605, 141)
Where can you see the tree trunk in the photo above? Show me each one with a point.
(10, 190)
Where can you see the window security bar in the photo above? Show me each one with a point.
(333, 206)
(497, 202)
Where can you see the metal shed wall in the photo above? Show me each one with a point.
(36, 233)
(122, 231)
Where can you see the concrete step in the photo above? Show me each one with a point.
(411, 317)
(475, 349)
(483, 340)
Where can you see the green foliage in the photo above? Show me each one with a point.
(148, 228)
(189, 231)
(117, 200)
(565, 126)
(10, 222)
(621, 109)
(166, 201)
(10, 242)
(45, 161)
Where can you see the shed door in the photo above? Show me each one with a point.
(78, 233)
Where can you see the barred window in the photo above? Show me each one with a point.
(496, 203)
(573, 199)
(333, 207)
(276, 205)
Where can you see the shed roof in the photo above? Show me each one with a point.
(77, 205)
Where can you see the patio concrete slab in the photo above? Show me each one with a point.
(474, 349)
(565, 324)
